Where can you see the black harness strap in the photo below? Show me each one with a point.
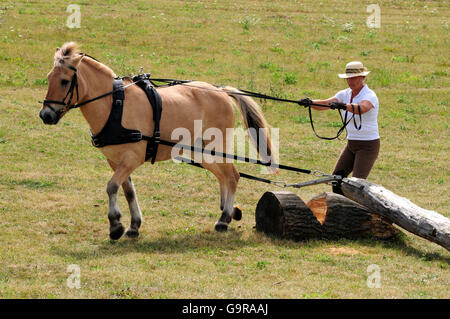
(333, 179)
(360, 116)
(155, 101)
(244, 175)
(339, 132)
(170, 82)
(114, 133)
(234, 157)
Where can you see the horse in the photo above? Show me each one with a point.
(78, 79)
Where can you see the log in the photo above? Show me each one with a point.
(285, 215)
(330, 216)
(342, 217)
(425, 223)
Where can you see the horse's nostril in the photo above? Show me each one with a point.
(47, 117)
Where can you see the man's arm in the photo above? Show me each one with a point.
(323, 102)
(364, 106)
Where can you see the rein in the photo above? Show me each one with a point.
(68, 106)
(170, 82)
(325, 178)
(308, 104)
(74, 87)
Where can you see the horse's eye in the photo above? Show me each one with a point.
(64, 82)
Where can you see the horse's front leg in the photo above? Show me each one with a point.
(116, 229)
(135, 211)
(121, 173)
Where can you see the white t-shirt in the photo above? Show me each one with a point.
(369, 127)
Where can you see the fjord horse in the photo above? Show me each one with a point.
(182, 105)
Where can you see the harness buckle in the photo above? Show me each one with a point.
(157, 137)
(135, 136)
(279, 184)
(94, 139)
(95, 143)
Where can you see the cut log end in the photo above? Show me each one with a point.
(339, 211)
(328, 215)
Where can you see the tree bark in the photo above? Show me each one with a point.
(399, 210)
(285, 215)
(342, 217)
(328, 215)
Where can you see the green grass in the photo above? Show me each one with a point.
(53, 199)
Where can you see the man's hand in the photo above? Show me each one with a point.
(305, 102)
(338, 105)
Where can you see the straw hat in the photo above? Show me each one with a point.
(353, 69)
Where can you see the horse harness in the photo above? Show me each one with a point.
(113, 133)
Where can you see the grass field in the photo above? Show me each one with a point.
(53, 201)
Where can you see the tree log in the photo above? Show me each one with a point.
(399, 210)
(328, 215)
(342, 217)
(285, 215)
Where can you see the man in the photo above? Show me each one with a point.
(363, 144)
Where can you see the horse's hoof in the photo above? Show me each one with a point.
(116, 232)
(221, 227)
(132, 233)
(237, 213)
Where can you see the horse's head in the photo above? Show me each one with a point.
(62, 90)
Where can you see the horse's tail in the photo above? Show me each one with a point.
(258, 127)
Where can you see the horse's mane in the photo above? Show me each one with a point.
(66, 55)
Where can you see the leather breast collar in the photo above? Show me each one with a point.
(113, 133)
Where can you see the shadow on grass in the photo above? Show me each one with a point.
(208, 242)
(215, 243)
(398, 243)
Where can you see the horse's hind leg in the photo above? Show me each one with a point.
(230, 181)
(221, 174)
(237, 212)
(135, 211)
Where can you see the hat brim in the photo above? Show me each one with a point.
(352, 75)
